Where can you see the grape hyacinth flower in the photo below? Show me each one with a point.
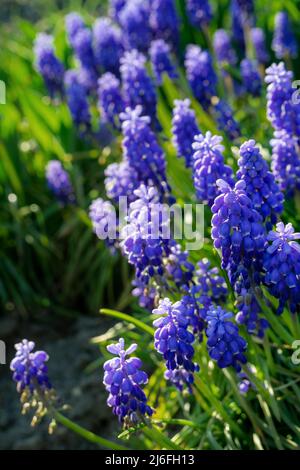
(247, 10)
(142, 240)
(48, 65)
(245, 384)
(123, 379)
(115, 9)
(237, 26)
(208, 167)
(225, 54)
(286, 161)
(261, 187)
(210, 282)
(77, 99)
(173, 341)
(252, 82)
(134, 19)
(178, 267)
(238, 231)
(104, 220)
(200, 74)
(224, 343)
(282, 112)
(148, 243)
(107, 45)
(199, 13)
(87, 77)
(110, 99)
(83, 48)
(147, 295)
(59, 182)
(164, 21)
(141, 149)
(284, 42)
(282, 266)
(30, 372)
(249, 311)
(74, 23)
(184, 129)
(121, 180)
(259, 43)
(225, 119)
(138, 86)
(160, 55)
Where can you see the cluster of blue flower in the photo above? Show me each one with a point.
(245, 206)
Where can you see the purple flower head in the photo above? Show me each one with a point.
(83, 48)
(252, 82)
(208, 167)
(77, 99)
(225, 54)
(148, 244)
(246, 8)
(284, 42)
(74, 23)
(141, 149)
(115, 9)
(249, 311)
(48, 65)
(146, 294)
(225, 119)
(110, 99)
(164, 21)
(282, 112)
(261, 187)
(138, 86)
(184, 129)
(107, 45)
(143, 242)
(160, 55)
(282, 266)
(59, 182)
(259, 43)
(173, 341)
(104, 220)
(87, 77)
(200, 74)
(245, 384)
(29, 368)
(237, 231)
(246, 11)
(123, 379)
(199, 13)
(121, 180)
(286, 161)
(224, 344)
(178, 267)
(134, 19)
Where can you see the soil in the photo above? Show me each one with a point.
(70, 353)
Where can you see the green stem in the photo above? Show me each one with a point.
(88, 435)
